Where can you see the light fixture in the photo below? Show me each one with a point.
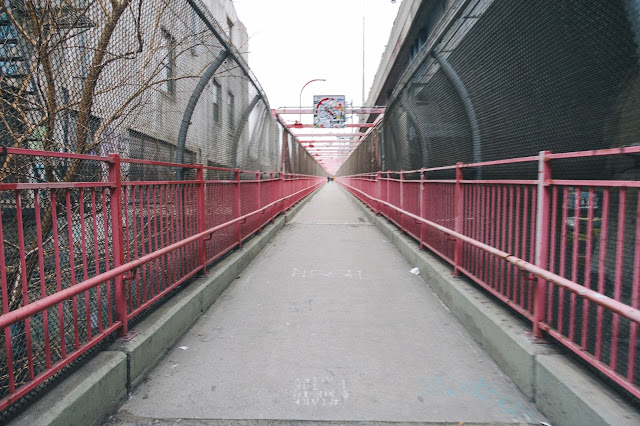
(300, 100)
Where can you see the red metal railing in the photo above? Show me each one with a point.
(83, 258)
(563, 253)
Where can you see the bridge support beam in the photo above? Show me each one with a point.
(193, 101)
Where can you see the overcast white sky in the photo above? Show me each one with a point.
(294, 41)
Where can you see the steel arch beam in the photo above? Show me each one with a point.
(193, 101)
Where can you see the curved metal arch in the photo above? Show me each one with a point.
(458, 84)
(193, 101)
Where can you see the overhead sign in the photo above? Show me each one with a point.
(328, 111)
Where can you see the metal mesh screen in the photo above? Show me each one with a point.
(512, 78)
(78, 76)
(367, 156)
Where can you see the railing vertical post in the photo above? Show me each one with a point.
(238, 230)
(259, 199)
(378, 191)
(542, 240)
(402, 200)
(388, 197)
(117, 242)
(423, 207)
(271, 197)
(200, 218)
(280, 192)
(284, 193)
(458, 223)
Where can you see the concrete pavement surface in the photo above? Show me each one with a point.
(327, 324)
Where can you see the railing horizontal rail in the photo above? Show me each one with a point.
(602, 183)
(529, 159)
(594, 153)
(53, 154)
(160, 163)
(54, 185)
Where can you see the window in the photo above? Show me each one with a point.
(232, 104)
(10, 55)
(145, 147)
(229, 30)
(85, 55)
(194, 29)
(215, 94)
(219, 174)
(169, 62)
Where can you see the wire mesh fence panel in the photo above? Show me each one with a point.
(594, 241)
(506, 79)
(438, 207)
(220, 202)
(411, 203)
(52, 237)
(89, 78)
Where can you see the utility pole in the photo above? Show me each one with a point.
(362, 57)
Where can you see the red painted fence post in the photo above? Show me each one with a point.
(259, 199)
(378, 191)
(542, 241)
(238, 230)
(117, 243)
(202, 226)
(423, 207)
(388, 197)
(459, 221)
(402, 200)
(280, 191)
(271, 196)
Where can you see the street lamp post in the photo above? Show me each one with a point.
(300, 100)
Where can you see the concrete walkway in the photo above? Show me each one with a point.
(327, 324)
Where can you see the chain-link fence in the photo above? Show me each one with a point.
(504, 79)
(88, 78)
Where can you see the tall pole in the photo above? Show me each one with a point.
(300, 100)
(362, 58)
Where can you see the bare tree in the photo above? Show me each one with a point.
(96, 64)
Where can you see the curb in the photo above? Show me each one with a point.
(563, 391)
(91, 394)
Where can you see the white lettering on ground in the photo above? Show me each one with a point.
(318, 273)
(320, 391)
